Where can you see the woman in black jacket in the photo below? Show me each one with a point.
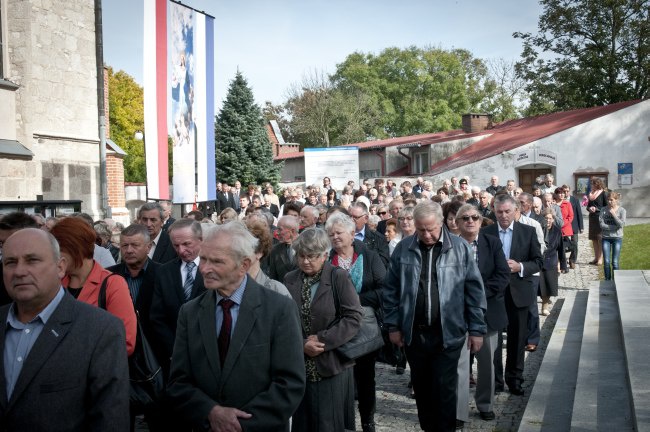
(550, 270)
(367, 273)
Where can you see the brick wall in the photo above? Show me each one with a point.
(115, 175)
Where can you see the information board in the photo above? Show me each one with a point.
(340, 164)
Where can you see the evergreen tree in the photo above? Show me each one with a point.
(243, 150)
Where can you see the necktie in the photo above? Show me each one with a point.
(189, 279)
(226, 326)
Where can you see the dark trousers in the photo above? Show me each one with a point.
(498, 362)
(533, 318)
(435, 380)
(364, 379)
(573, 258)
(515, 349)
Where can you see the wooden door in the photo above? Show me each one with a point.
(527, 177)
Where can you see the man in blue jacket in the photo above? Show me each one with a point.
(433, 297)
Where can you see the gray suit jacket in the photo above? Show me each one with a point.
(76, 376)
(264, 370)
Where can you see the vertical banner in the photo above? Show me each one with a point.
(155, 98)
(192, 104)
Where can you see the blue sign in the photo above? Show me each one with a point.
(625, 168)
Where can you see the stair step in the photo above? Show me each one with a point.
(550, 404)
(634, 303)
(602, 398)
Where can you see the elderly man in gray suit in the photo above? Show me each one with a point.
(245, 369)
(64, 362)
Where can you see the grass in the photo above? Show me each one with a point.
(635, 254)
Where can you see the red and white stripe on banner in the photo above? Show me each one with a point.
(155, 98)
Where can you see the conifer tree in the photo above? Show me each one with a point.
(243, 150)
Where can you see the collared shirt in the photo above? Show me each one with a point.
(154, 243)
(184, 271)
(135, 282)
(234, 310)
(506, 239)
(427, 307)
(361, 234)
(20, 338)
(474, 245)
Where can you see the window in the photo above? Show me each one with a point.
(420, 163)
(374, 173)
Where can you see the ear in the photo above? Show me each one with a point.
(245, 265)
(61, 267)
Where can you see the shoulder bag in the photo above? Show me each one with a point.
(145, 373)
(367, 339)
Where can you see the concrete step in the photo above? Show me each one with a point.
(550, 404)
(602, 398)
(634, 305)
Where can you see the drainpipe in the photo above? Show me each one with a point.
(99, 56)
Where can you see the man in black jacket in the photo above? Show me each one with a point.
(373, 240)
(151, 215)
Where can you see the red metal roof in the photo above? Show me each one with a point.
(515, 133)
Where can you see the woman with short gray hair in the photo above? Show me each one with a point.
(328, 403)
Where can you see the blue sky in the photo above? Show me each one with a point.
(274, 43)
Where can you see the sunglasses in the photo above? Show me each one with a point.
(466, 218)
(381, 213)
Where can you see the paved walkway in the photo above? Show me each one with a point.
(396, 410)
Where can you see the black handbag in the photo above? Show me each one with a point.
(145, 374)
(367, 339)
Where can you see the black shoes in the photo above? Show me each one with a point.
(399, 370)
(459, 425)
(368, 427)
(516, 390)
(487, 415)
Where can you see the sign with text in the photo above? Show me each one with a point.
(340, 164)
(535, 156)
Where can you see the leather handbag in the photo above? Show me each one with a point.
(145, 374)
(368, 339)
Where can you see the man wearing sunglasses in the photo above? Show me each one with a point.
(488, 254)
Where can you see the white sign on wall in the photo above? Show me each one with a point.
(340, 164)
(535, 156)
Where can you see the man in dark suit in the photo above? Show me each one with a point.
(488, 253)
(167, 214)
(281, 259)
(65, 364)
(255, 382)
(139, 271)
(176, 283)
(372, 239)
(225, 198)
(151, 216)
(494, 187)
(9, 224)
(576, 224)
(524, 257)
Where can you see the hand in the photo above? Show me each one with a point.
(396, 338)
(474, 343)
(313, 346)
(515, 267)
(225, 419)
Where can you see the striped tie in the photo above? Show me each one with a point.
(189, 280)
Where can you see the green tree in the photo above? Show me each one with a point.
(126, 116)
(586, 53)
(416, 90)
(242, 147)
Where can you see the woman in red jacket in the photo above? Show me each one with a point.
(83, 276)
(567, 230)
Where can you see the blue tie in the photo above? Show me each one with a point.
(189, 280)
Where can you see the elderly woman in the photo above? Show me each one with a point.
(83, 276)
(262, 233)
(328, 404)
(392, 235)
(367, 273)
(548, 281)
(406, 224)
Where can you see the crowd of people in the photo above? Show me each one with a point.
(245, 301)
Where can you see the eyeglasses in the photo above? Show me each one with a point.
(309, 258)
(357, 217)
(408, 218)
(466, 218)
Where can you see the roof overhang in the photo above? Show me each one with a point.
(14, 149)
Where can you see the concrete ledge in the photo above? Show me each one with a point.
(634, 304)
(602, 399)
(551, 400)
